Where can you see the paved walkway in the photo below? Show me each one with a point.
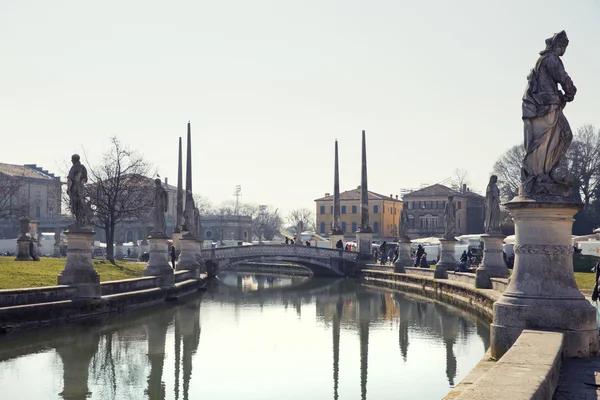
(579, 379)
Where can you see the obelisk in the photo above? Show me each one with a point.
(364, 235)
(179, 206)
(188, 245)
(336, 233)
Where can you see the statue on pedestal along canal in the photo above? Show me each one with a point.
(449, 217)
(76, 181)
(404, 223)
(492, 206)
(546, 130)
(160, 204)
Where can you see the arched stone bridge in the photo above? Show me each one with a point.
(321, 261)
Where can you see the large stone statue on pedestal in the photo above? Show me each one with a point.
(542, 293)
(23, 241)
(547, 131)
(160, 204)
(158, 262)
(404, 253)
(447, 242)
(492, 265)
(79, 269)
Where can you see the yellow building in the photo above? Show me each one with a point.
(384, 212)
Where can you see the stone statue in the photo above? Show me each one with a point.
(188, 215)
(76, 181)
(404, 223)
(160, 204)
(450, 217)
(492, 206)
(56, 235)
(546, 130)
(197, 224)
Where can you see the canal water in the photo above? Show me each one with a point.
(254, 337)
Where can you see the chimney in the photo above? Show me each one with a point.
(327, 194)
(166, 181)
(396, 197)
(391, 196)
(464, 188)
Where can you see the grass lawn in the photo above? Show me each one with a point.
(22, 274)
(585, 280)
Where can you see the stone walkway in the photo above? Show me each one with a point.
(578, 379)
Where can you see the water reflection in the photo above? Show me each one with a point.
(253, 347)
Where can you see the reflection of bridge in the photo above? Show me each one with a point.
(321, 261)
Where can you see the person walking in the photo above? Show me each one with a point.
(173, 256)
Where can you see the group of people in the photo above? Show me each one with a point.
(292, 241)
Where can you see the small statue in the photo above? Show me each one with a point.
(404, 223)
(160, 204)
(492, 206)
(546, 130)
(76, 181)
(450, 217)
(188, 215)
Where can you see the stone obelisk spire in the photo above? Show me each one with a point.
(188, 165)
(364, 190)
(336, 232)
(179, 190)
(336, 194)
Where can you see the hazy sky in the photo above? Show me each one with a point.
(270, 84)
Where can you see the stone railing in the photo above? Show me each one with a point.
(277, 250)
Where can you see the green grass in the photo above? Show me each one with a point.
(23, 274)
(585, 280)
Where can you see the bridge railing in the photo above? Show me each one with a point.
(277, 250)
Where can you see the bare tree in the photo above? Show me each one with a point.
(459, 179)
(119, 190)
(304, 215)
(508, 170)
(204, 205)
(11, 207)
(583, 162)
(267, 223)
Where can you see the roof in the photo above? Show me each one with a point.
(354, 194)
(434, 190)
(30, 171)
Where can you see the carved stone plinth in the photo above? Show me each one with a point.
(119, 255)
(447, 258)
(187, 256)
(404, 259)
(79, 270)
(56, 253)
(143, 249)
(364, 245)
(542, 293)
(492, 265)
(23, 253)
(158, 263)
(334, 238)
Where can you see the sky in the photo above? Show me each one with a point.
(268, 86)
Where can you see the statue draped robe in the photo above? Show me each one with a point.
(492, 208)
(546, 130)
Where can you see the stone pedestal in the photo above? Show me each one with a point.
(176, 236)
(23, 253)
(335, 237)
(202, 266)
(143, 249)
(542, 293)
(492, 265)
(56, 253)
(119, 255)
(158, 263)
(187, 256)
(404, 259)
(79, 270)
(364, 245)
(447, 257)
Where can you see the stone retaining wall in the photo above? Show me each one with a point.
(15, 297)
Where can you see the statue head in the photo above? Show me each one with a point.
(557, 43)
(157, 181)
(450, 198)
(75, 158)
(493, 179)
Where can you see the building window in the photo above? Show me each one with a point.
(375, 209)
(343, 227)
(459, 206)
(411, 221)
(354, 227)
(431, 204)
(208, 234)
(443, 205)
(331, 210)
(322, 209)
(354, 210)
(376, 227)
(459, 223)
(322, 227)
(245, 234)
(343, 209)
(37, 211)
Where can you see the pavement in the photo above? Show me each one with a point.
(579, 379)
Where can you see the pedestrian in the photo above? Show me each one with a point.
(307, 243)
(173, 256)
(339, 244)
(423, 261)
(420, 252)
(287, 240)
